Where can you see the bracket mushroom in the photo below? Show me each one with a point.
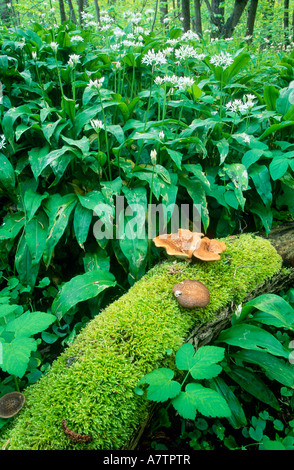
(209, 250)
(181, 244)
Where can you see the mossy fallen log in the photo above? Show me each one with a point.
(90, 386)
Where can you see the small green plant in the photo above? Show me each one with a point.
(188, 398)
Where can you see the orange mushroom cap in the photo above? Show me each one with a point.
(209, 250)
(181, 244)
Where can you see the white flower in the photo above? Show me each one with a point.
(158, 80)
(161, 135)
(97, 125)
(54, 46)
(76, 38)
(154, 58)
(73, 60)
(190, 35)
(224, 59)
(34, 55)
(184, 83)
(241, 106)
(2, 143)
(153, 155)
(96, 83)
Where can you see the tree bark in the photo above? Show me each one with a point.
(217, 16)
(198, 22)
(81, 8)
(186, 15)
(233, 20)
(62, 11)
(286, 22)
(97, 10)
(251, 18)
(163, 7)
(72, 15)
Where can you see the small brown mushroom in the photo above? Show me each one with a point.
(181, 244)
(11, 404)
(209, 250)
(190, 293)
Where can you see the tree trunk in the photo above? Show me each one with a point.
(81, 9)
(62, 11)
(217, 16)
(155, 14)
(251, 18)
(72, 15)
(198, 22)
(97, 10)
(186, 15)
(163, 11)
(286, 22)
(233, 20)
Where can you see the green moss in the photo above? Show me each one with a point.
(94, 391)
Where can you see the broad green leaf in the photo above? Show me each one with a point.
(82, 221)
(261, 179)
(240, 61)
(6, 310)
(40, 160)
(36, 231)
(49, 128)
(275, 128)
(175, 156)
(197, 191)
(12, 224)
(30, 323)
(278, 167)
(252, 337)
(286, 99)
(237, 418)
(59, 219)
(251, 156)
(274, 367)
(198, 398)
(202, 363)
(10, 117)
(81, 288)
(238, 174)
(26, 268)
(7, 177)
(16, 355)
(132, 231)
(82, 144)
(96, 260)
(264, 213)
(32, 202)
(162, 387)
(270, 95)
(272, 310)
(252, 384)
(91, 200)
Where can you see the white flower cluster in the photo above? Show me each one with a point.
(185, 52)
(97, 125)
(239, 106)
(73, 60)
(54, 46)
(224, 59)
(190, 36)
(154, 58)
(133, 17)
(97, 84)
(181, 83)
(76, 38)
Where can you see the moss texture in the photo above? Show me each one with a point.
(94, 390)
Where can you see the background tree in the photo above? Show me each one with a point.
(62, 11)
(186, 15)
(251, 16)
(286, 22)
(198, 21)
